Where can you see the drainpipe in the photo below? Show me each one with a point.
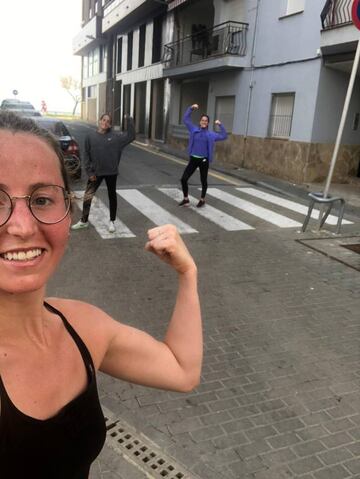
(251, 84)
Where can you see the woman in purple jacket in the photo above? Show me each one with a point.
(201, 148)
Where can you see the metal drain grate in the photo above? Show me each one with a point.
(139, 450)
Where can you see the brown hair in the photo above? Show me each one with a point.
(106, 114)
(17, 124)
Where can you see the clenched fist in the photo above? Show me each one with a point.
(166, 243)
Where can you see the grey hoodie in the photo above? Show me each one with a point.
(103, 150)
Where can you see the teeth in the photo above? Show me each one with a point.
(22, 255)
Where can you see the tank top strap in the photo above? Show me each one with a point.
(85, 353)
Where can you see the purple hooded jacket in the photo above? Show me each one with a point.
(212, 136)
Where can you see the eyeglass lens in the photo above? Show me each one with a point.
(49, 204)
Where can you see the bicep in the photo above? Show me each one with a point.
(137, 357)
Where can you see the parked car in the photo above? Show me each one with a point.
(23, 108)
(69, 145)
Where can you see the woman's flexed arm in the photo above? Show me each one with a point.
(175, 362)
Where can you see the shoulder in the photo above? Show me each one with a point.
(94, 326)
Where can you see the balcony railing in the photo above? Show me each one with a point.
(228, 38)
(336, 13)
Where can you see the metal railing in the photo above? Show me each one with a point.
(228, 38)
(336, 13)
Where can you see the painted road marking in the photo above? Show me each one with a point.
(99, 218)
(225, 221)
(291, 205)
(154, 212)
(263, 213)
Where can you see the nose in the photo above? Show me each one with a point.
(21, 222)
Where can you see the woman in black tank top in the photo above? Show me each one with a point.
(51, 422)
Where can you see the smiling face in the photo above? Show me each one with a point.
(204, 121)
(29, 250)
(104, 123)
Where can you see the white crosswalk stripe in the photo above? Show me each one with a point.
(225, 221)
(265, 214)
(99, 218)
(291, 205)
(99, 213)
(154, 212)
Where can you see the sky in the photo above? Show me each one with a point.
(36, 50)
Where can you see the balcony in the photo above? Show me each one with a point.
(219, 48)
(89, 37)
(339, 36)
(336, 13)
(125, 13)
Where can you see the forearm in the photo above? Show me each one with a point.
(187, 118)
(131, 130)
(129, 135)
(184, 334)
(222, 135)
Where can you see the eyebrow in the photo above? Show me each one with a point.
(31, 187)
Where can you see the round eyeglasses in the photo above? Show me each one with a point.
(49, 204)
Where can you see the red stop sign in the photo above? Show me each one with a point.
(355, 13)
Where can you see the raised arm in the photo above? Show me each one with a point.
(175, 362)
(220, 135)
(187, 117)
(129, 135)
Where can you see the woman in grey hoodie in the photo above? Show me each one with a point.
(103, 149)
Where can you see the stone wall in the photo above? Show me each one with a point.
(294, 161)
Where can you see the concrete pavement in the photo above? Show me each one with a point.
(279, 396)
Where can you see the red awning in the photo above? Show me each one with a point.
(175, 3)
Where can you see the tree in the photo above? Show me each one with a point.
(73, 87)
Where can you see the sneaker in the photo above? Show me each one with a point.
(112, 227)
(185, 202)
(80, 225)
(200, 204)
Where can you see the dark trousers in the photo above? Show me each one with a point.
(203, 165)
(91, 189)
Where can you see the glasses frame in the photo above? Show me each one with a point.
(67, 197)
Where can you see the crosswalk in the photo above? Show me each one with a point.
(246, 209)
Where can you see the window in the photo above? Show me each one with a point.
(103, 59)
(224, 111)
(294, 6)
(119, 55)
(130, 37)
(96, 62)
(85, 67)
(157, 39)
(142, 36)
(91, 91)
(91, 64)
(282, 108)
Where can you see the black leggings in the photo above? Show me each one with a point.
(91, 188)
(203, 165)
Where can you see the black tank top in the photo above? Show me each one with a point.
(61, 447)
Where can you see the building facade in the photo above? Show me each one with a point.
(275, 73)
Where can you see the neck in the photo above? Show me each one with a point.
(22, 314)
(102, 131)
